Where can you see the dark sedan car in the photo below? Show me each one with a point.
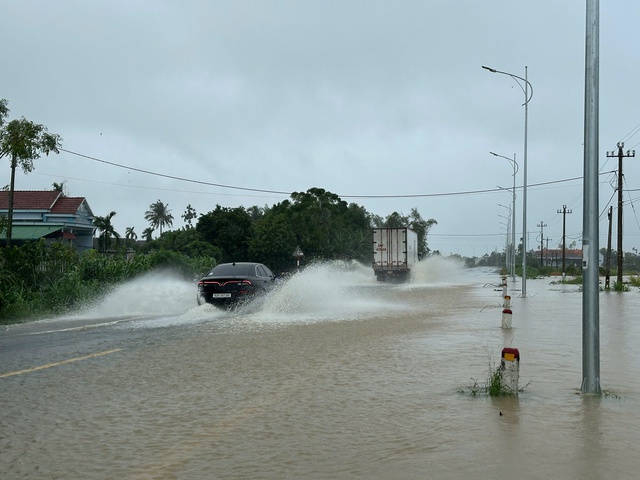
(230, 283)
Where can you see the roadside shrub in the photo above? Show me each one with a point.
(620, 287)
(38, 280)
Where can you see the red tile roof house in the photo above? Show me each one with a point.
(50, 215)
(553, 258)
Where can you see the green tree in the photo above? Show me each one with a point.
(189, 215)
(130, 235)
(23, 142)
(396, 220)
(421, 227)
(315, 219)
(274, 242)
(4, 111)
(415, 222)
(323, 225)
(187, 241)
(147, 234)
(159, 215)
(229, 229)
(103, 224)
(256, 213)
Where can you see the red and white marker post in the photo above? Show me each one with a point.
(510, 369)
(506, 312)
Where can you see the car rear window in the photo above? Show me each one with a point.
(227, 270)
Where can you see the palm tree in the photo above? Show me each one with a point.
(103, 224)
(159, 215)
(147, 234)
(130, 234)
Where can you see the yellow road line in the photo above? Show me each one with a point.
(55, 364)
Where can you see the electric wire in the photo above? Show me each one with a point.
(418, 195)
(172, 177)
(606, 206)
(635, 214)
(632, 133)
(279, 192)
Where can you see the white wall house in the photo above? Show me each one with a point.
(48, 214)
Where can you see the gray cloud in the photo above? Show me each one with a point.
(359, 98)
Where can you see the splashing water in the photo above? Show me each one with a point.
(153, 294)
(437, 270)
(329, 291)
(332, 290)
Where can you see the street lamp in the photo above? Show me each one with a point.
(527, 98)
(516, 167)
(507, 247)
(511, 254)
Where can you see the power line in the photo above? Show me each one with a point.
(633, 132)
(431, 234)
(161, 189)
(608, 203)
(416, 195)
(149, 172)
(630, 201)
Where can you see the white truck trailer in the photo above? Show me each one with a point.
(395, 253)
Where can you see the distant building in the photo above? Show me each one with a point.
(48, 214)
(553, 258)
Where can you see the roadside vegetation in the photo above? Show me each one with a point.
(42, 278)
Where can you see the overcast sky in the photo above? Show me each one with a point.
(371, 100)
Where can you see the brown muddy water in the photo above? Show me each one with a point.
(334, 376)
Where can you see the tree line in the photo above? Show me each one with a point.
(319, 222)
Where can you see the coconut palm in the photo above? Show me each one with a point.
(103, 224)
(159, 215)
(147, 234)
(130, 234)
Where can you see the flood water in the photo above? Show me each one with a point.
(334, 376)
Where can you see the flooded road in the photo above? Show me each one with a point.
(333, 376)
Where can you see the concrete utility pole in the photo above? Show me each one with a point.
(607, 277)
(620, 156)
(590, 241)
(547, 248)
(564, 212)
(541, 225)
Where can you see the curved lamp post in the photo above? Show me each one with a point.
(507, 242)
(516, 167)
(511, 265)
(525, 86)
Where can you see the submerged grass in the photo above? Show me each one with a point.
(492, 387)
